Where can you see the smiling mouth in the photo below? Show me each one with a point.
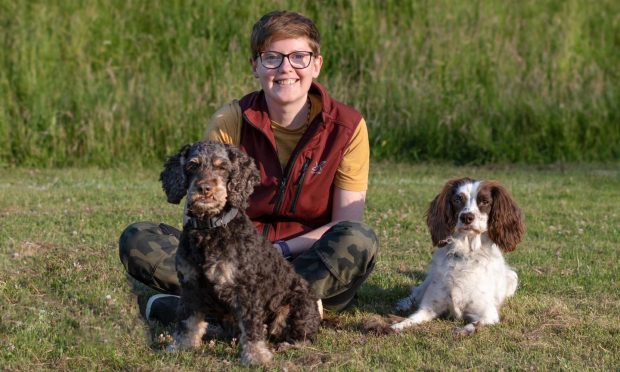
(286, 82)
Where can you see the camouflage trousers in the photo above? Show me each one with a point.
(335, 266)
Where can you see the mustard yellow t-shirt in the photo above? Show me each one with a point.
(352, 173)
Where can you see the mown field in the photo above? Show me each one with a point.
(66, 303)
(469, 82)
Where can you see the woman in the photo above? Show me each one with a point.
(313, 156)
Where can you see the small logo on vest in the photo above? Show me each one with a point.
(319, 167)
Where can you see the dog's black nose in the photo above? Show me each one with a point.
(203, 187)
(467, 218)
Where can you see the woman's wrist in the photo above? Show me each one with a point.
(284, 248)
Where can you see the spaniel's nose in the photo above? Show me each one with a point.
(467, 218)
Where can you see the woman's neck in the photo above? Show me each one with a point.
(291, 116)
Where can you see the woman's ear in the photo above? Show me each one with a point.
(254, 66)
(317, 63)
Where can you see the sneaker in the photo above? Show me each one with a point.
(161, 307)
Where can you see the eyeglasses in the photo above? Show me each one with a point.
(273, 60)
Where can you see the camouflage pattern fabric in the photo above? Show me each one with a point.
(148, 254)
(335, 266)
(338, 263)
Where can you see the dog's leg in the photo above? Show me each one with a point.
(254, 350)
(512, 281)
(414, 298)
(424, 314)
(490, 315)
(189, 331)
(304, 320)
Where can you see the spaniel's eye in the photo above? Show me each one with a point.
(457, 199)
(484, 202)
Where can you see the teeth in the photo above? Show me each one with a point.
(286, 82)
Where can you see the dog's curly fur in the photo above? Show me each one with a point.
(231, 272)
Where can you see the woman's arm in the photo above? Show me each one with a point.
(347, 205)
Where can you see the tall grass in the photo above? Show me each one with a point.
(102, 82)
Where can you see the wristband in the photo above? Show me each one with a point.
(286, 250)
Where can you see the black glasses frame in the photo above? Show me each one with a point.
(260, 57)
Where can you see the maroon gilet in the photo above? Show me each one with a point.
(293, 201)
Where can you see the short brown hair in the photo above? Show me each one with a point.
(282, 24)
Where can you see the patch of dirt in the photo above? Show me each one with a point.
(30, 249)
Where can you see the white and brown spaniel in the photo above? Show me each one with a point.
(471, 223)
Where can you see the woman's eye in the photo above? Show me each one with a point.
(271, 57)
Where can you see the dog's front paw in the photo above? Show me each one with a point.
(400, 326)
(467, 330)
(255, 353)
(403, 304)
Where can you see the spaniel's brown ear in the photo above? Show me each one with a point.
(440, 216)
(173, 179)
(243, 177)
(506, 226)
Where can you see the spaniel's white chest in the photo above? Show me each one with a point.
(465, 276)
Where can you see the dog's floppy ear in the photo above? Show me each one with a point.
(173, 179)
(243, 176)
(506, 227)
(440, 216)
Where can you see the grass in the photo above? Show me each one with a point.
(97, 82)
(67, 305)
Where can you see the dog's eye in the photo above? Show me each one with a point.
(484, 202)
(218, 163)
(221, 164)
(457, 199)
(192, 165)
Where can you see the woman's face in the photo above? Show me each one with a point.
(287, 85)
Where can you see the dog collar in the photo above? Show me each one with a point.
(212, 222)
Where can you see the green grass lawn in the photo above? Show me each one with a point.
(65, 302)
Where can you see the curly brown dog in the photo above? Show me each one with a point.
(226, 269)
